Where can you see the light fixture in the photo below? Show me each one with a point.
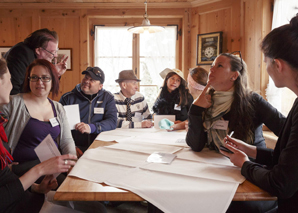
(146, 25)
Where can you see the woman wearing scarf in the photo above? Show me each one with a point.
(227, 104)
(276, 171)
(14, 193)
(174, 98)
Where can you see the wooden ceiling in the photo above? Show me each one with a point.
(115, 3)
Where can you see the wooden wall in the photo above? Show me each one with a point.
(243, 22)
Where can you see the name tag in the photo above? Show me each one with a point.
(221, 124)
(99, 102)
(54, 122)
(176, 107)
(98, 110)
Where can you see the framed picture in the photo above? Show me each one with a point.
(3, 50)
(66, 52)
(209, 46)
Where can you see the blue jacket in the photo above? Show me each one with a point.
(98, 122)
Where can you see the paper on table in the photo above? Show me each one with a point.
(73, 115)
(158, 157)
(144, 147)
(157, 118)
(206, 156)
(47, 149)
(167, 192)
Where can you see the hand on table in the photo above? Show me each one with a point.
(237, 157)
(147, 124)
(248, 149)
(83, 128)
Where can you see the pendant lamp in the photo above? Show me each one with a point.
(146, 25)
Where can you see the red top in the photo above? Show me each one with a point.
(5, 157)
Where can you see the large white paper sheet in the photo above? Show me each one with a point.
(119, 157)
(162, 186)
(201, 170)
(145, 147)
(204, 156)
(175, 193)
(73, 115)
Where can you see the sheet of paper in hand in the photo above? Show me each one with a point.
(47, 149)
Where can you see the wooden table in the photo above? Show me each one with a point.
(77, 189)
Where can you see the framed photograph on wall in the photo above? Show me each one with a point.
(209, 46)
(3, 50)
(66, 52)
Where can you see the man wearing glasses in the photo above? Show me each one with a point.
(98, 111)
(41, 44)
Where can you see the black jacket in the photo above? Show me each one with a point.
(18, 58)
(165, 104)
(276, 171)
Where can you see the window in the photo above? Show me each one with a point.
(281, 98)
(116, 49)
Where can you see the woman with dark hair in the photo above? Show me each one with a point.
(276, 171)
(32, 116)
(41, 44)
(227, 104)
(174, 98)
(13, 190)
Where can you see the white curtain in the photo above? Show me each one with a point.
(282, 98)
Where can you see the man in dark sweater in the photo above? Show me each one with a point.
(98, 112)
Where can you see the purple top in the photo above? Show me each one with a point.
(32, 135)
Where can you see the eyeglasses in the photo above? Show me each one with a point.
(238, 53)
(35, 78)
(95, 71)
(53, 54)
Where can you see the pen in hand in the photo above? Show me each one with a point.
(231, 134)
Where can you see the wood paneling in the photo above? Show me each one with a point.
(244, 23)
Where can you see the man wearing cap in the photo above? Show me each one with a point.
(98, 112)
(131, 105)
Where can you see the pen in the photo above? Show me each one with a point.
(231, 134)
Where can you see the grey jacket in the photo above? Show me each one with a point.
(18, 118)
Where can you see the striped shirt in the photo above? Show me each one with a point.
(139, 110)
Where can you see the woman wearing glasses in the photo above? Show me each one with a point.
(32, 116)
(276, 171)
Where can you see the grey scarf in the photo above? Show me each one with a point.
(222, 105)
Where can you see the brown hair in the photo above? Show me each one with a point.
(3, 67)
(282, 42)
(40, 38)
(199, 75)
(52, 71)
(242, 111)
